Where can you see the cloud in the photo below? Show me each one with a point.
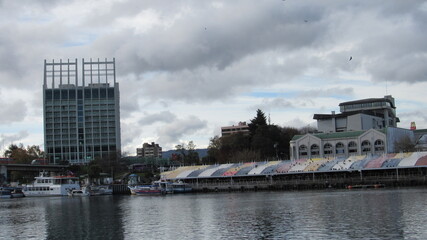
(164, 116)
(13, 138)
(188, 53)
(275, 103)
(336, 91)
(13, 111)
(173, 132)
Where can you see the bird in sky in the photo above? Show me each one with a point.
(350, 58)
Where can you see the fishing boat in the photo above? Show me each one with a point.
(45, 185)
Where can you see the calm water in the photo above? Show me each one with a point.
(343, 214)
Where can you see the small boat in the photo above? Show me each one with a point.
(165, 185)
(366, 186)
(146, 190)
(99, 190)
(11, 192)
(181, 187)
(78, 193)
(17, 193)
(5, 193)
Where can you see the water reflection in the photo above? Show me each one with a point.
(364, 214)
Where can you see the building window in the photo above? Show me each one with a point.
(379, 145)
(327, 149)
(339, 148)
(314, 150)
(303, 150)
(366, 146)
(352, 147)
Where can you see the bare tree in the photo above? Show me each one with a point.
(404, 144)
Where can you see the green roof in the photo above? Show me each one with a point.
(348, 134)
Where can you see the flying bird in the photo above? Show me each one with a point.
(350, 58)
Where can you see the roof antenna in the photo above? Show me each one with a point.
(386, 88)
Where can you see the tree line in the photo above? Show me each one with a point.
(263, 142)
(23, 155)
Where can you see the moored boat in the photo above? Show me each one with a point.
(11, 192)
(146, 190)
(44, 185)
(100, 190)
(5, 193)
(181, 187)
(78, 193)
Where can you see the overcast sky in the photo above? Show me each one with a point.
(186, 68)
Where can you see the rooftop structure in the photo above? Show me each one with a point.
(359, 115)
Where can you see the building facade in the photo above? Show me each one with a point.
(149, 150)
(81, 116)
(360, 115)
(335, 145)
(242, 127)
(346, 144)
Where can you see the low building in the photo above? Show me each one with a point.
(149, 150)
(242, 127)
(345, 144)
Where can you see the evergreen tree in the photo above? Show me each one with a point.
(259, 120)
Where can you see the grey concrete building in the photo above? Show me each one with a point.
(81, 116)
(149, 150)
(360, 115)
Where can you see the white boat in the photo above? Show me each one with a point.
(51, 186)
(78, 193)
(99, 190)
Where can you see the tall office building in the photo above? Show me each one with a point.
(81, 116)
